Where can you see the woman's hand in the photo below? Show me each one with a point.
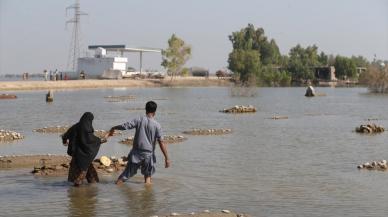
(65, 142)
(111, 132)
(104, 140)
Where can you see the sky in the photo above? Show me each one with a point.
(34, 37)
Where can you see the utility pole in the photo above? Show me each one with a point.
(74, 49)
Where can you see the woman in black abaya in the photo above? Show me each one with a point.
(83, 146)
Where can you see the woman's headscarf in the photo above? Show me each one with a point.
(85, 122)
(87, 144)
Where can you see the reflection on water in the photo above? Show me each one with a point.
(82, 200)
(301, 166)
(138, 201)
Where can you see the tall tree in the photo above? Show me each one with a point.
(251, 50)
(360, 61)
(244, 63)
(345, 67)
(302, 62)
(175, 56)
(323, 59)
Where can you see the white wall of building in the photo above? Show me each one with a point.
(94, 67)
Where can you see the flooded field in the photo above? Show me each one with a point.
(305, 165)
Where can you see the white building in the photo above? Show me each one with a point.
(111, 67)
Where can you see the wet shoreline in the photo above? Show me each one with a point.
(81, 84)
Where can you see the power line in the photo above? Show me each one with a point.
(74, 48)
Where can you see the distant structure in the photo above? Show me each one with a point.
(74, 49)
(199, 71)
(361, 70)
(326, 73)
(110, 67)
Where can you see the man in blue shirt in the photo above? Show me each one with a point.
(142, 155)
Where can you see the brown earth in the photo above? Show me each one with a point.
(76, 84)
(29, 161)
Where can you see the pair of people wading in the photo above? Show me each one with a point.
(83, 146)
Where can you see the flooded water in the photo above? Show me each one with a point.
(301, 166)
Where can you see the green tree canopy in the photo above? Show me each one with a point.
(245, 63)
(360, 61)
(323, 59)
(345, 67)
(274, 77)
(175, 56)
(302, 62)
(251, 49)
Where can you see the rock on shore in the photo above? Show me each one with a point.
(370, 128)
(166, 139)
(63, 129)
(277, 117)
(103, 165)
(374, 165)
(208, 131)
(310, 92)
(239, 109)
(52, 129)
(26, 161)
(119, 98)
(8, 96)
(9, 136)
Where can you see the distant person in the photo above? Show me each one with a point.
(56, 77)
(61, 76)
(51, 75)
(83, 146)
(45, 74)
(25, 76)
(65, 76)
(82, 75)
(142, 155)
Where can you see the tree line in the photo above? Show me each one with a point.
(256, 60)
(255, 56)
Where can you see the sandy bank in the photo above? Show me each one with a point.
(76, 84)
(29, 161)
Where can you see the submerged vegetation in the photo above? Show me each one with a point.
(376, 77)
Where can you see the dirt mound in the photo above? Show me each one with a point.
(239, 109)
(25, 161)
(208, 131)
(62, 169)
(166, 139)
(9, 136)
(370, 128)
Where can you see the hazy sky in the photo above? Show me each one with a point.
(33, 36)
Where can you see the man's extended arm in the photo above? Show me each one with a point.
(125, 126)
(112, 130)
(163, 147)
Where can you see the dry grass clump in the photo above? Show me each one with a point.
(244, 89)
(376, 78)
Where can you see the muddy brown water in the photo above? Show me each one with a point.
(301, 166)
